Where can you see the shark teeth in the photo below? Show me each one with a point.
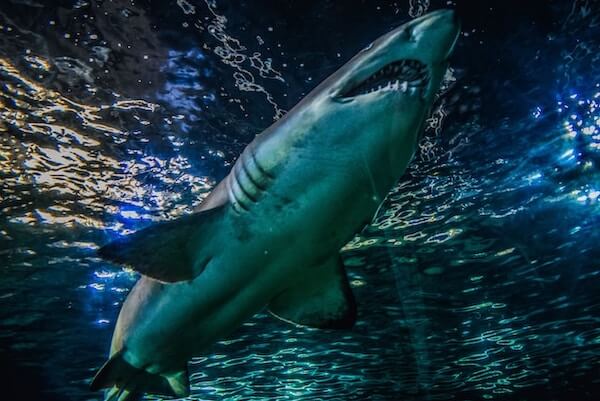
(393, 86)
(404, 76)
(396, 85)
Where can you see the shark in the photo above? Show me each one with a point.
(269, 234)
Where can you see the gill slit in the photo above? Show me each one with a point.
(250, 178)
(239, 184)
(258, 166)
(232, 198)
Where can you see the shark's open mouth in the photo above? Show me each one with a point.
(409, 76)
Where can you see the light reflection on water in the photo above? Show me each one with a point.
(63, 150)
(475, 280)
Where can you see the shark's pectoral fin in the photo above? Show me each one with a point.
(170, 251)
(322, 299)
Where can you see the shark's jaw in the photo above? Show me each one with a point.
(404, 76)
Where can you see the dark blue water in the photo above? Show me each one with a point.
(479, 279)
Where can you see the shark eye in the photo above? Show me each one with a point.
(368, 47)
(407, 34)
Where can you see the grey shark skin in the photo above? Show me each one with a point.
(270, 233)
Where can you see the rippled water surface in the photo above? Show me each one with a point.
(478, 279)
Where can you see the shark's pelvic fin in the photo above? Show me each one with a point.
(126, 382)
(121, 394)
(180, 383)
(168, 251)
(322, 299)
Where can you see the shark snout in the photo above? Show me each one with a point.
(435, 34)
(410, 59)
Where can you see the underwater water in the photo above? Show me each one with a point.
(478, 279)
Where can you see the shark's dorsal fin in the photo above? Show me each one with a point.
(170, 251)
(322, 299)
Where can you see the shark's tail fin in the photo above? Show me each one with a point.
(128, 383)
